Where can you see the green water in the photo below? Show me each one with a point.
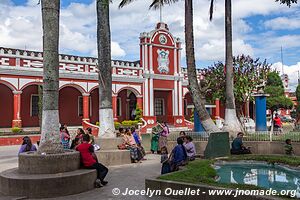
(262, 175)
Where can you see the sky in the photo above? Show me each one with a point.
(260, 29)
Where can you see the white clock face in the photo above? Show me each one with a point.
(163, 39)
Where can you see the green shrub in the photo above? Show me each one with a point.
(129, 123)
(117, 125)
(192, 116)
(138, 114)
(16, 130)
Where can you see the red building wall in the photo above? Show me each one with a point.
(27, 120)
(222, 110)
(171, 59)
(188, 101)
(94, 116)
(68, 107)
(163, 84)
(123, 96)
(17, 140)
(6, 106)
(167, 96)
(168, 47)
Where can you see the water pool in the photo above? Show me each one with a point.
(260, 174)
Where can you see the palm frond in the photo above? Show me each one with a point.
(287, 2)
(125, 3)
(157, 3)
(211, 10)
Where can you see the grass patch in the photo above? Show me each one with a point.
(199, 171)
(289, 160)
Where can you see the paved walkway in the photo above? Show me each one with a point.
(130, 176)
(8, 157)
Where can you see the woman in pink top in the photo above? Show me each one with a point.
(162, 141)
(64, 138)
(131, 146)
(190, 148)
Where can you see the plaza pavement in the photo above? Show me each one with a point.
(131, 176)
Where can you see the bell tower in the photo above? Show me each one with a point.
(160, 58)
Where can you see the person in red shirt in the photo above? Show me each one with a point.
(277, 121)
(90, 161)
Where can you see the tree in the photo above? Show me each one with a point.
(287, 2)
(50, 142)
(40, 104)
(298, 93)
(232, 124)
(298, 104)
(104, 66)
(274, 87)
(193, 87)
(248, 74)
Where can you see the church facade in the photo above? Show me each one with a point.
(156, 83)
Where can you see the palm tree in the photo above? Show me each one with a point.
(194, 87)
(232, 124)
(50, 142)
(287, 2)
(104, 65)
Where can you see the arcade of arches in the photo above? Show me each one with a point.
(21, 108)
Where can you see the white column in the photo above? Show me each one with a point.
(143, 56)
(151, 97)
(173, 102)
(175, 61)
(175, 111)
(17, 62)
(180, 98)
(146, 98)
(179, 61)
(150, 59)
(146, 57)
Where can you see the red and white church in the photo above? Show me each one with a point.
(156, 83)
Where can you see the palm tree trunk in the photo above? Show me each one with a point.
(40, 105)
(50, 142)
(204, 117)
(232, 124)
(105, 77)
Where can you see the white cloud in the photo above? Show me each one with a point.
(117, 50)
(283, 23)
(20, 26)
(215, 49)
(78, 26)
(291, 71)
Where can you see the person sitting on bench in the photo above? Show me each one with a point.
(237, 146)
(89, 160)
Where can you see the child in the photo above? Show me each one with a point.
(288, 147)
(165, 161)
